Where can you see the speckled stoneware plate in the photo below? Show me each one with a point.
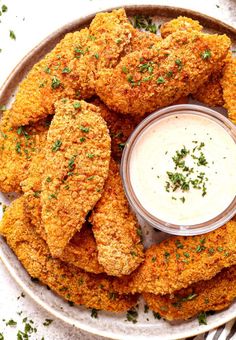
(107, 324)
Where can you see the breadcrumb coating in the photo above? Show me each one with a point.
(179, 262)
(69, 70)
(141, 40)
(120, 127)
(228, 83)
(213, 295)
(81, 251)
(211, 93)
(179, 24)
(116, 229)
(152, 78)
(68, 281)
(18, 149)
(76, 167)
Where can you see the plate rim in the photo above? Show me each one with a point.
(8, 86)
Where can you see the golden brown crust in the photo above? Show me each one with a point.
(211, 93)
(18, 149)
(179, 261)
(81, 251)
(116, 229)
(213, 295)
(228, 83)
(146, 80)
(68, 281)
(179, 24)
(69, 70)
(120, 127)
(76, 167)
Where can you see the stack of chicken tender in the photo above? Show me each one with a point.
(60, 147)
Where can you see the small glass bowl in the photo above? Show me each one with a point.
(141, 212)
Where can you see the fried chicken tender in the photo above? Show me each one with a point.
(202, 296)
(115, 228)
(69, 70)
(152, 78)
(120, 127)
(68, 281)
(211, 93)
(179, 262)
(76, 167)
(81, 251)
(18, 148)
(141, 40)
(228, 83)
(179, 24)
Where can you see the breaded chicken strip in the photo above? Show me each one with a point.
(213, 295)
(152, 78)
(115, 228)
(179, 262)
(76, 167)
(120, 127)
(179, 24)
(18, 148)
(70, 68)
(228, 83)
(68, 281)
(141, 40)
(211, 93)
(81, 251)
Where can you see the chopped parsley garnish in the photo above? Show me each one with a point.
(178, 62)
(12, 35)
(48, 179)
(18, 147)
(90, 155)
(56, 145)
(77, 105)
(156, 315)
(206, 55)
(125, 70)
(182, 178)
(132, 315)
(4, 8)
(11, 323)
(144, 22)
(160, 80)
(202, 319)
(84, 129)
(96, 55)
(82, 139)
(66, 70)
(21, 131)
(47, 322)
(94, 313)
(121, 146)
(55, 83)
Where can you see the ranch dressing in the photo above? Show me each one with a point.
(183, 169)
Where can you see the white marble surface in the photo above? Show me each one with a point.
(32, 21)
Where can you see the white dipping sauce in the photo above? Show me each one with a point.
(152, 156)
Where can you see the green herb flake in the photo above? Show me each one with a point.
(12, 35)
(56, 145)
(96, 55)
(84, 129)
(160, 80)
(48, 179)
(82, 139)
(18, 147)
(202, 319)
(125, 70)
(11, 323)
(206, 55)
(4, 8)
(55, 83)
(77, 105)
(144, 22)
(94, 313)
(132, 315)
(47, 322)
(66, 70)
(90, 155)
(3, 108)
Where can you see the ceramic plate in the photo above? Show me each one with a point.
(107, 324)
